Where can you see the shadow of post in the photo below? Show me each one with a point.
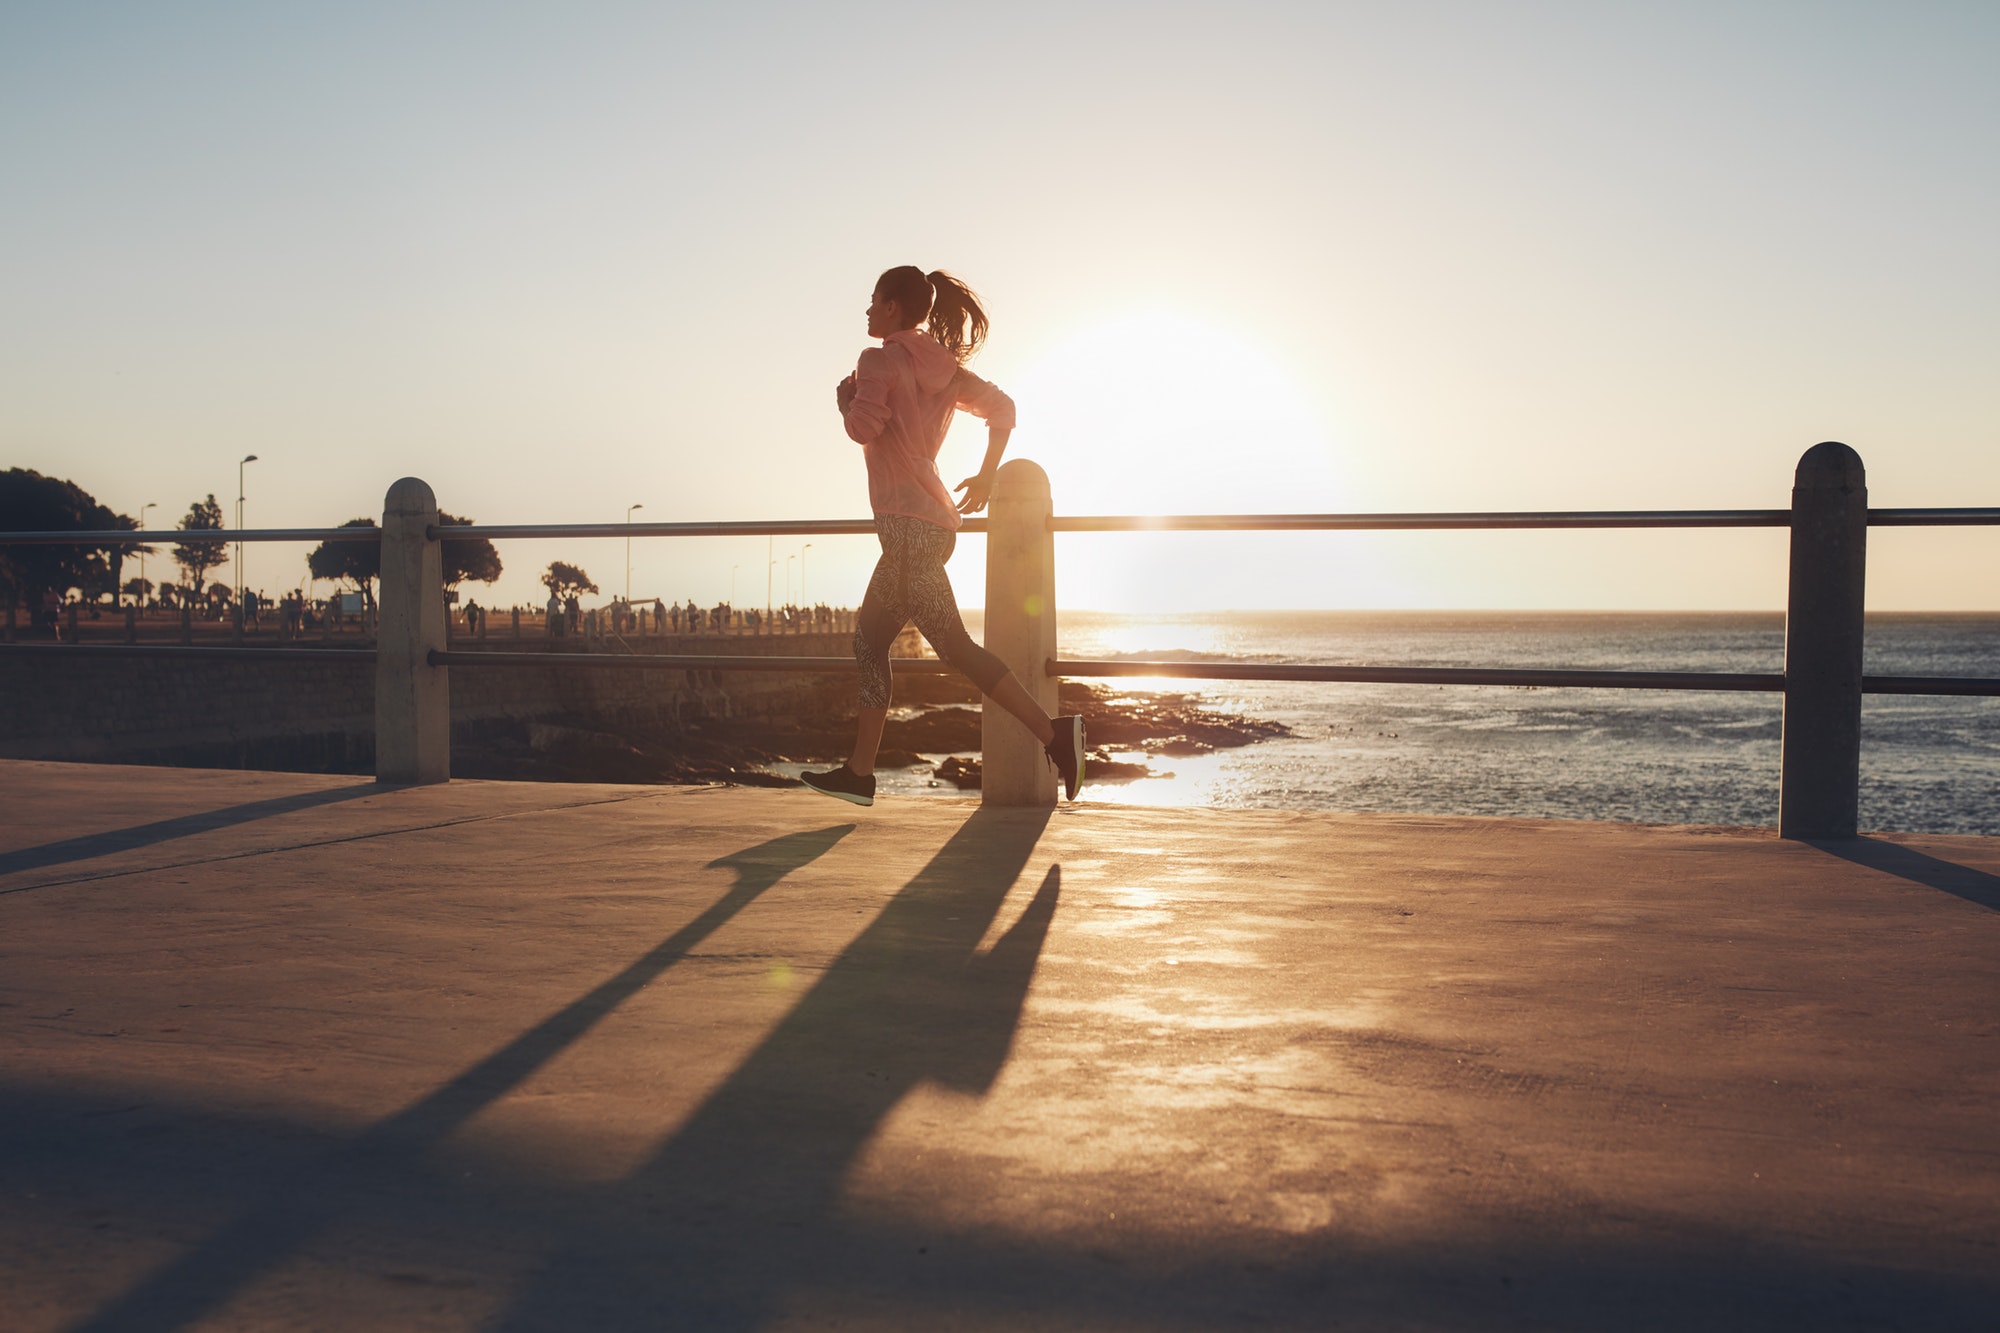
(298, 1209)
(165, 830)
(740, 1206)
(1975, 886)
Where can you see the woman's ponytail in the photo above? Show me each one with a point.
(957, 320)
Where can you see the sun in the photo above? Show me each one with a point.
(1161, 413)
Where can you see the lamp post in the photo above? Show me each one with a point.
(247, 459)
(788, 578)
(628, 552)
(150, 504)
(803, 599)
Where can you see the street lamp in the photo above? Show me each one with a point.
(803, 599)
(788, 578)
(628, 552)
(150, 504)
(247, 458)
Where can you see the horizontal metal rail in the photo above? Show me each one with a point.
(1605, 518)
(189, 652)
(923, 666)
(803, 527)
(1609, 518)
(172, 536)
(1382, 675)
(1932, 518)
(1963, 685)
(1765, 682)
(861, 527)
(1761, 682)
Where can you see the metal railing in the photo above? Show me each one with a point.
(167, 536)
(863, 527)
(1822, 682)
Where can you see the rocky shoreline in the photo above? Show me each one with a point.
(936, 722)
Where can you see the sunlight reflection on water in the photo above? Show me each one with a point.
(1928, 764)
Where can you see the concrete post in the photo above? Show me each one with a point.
(1819, 792)
(1020, 630)
(412, 697)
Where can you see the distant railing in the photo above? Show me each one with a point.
(1822, 682)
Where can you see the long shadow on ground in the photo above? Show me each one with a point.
(424, 1223)
(165, 830)
(302, 1206)
(1975, 886)
(755, 1176)
(737, 1222)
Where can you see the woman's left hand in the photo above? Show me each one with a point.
(977, 491)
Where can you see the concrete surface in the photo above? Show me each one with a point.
(282, 1051)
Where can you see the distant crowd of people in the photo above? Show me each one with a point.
(564, 617)
(295, 615)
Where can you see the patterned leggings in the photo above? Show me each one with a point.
(909, 583)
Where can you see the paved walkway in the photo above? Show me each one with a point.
(281, 1051)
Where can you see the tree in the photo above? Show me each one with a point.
(31, 502)
(468, 558)
(199, 555)
(359, 563)
(139, 588)
(566, 580)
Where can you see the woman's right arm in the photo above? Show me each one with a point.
(866, 410)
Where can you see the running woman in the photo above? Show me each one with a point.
(897, 406)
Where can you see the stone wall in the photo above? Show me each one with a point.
(320, 717)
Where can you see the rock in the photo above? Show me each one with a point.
(935, 731)
(1111, 770)
(545, 737)
(965, 774)
(703, 749)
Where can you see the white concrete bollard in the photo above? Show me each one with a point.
(1020, 631)
(412, 697)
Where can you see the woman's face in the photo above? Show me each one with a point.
(884, 316)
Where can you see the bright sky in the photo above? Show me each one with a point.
(561, 259)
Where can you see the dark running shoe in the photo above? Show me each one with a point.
(1066, 753)
(843, 785)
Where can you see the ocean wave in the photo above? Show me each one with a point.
(1179, 655)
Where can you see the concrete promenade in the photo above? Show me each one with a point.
(284, 1051)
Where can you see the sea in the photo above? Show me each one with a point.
(1928, 764)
